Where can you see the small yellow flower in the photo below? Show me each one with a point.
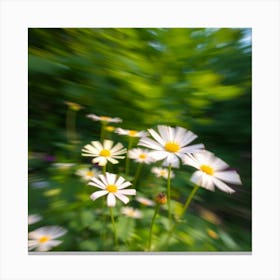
(73, 106)
(104, 119)
(161, 198)
(131, 133)
(212, 234)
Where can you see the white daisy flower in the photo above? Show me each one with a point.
(170, 144)
(144, 201)
(34, 218)
(211, 172)
(131, 133)
(102, 153)
(140, 155)
(86, 173)
(104, 118)
(43, 238)
(162, 172)
(113, 187)
(131, 212)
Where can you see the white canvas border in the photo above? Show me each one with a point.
(262, 16)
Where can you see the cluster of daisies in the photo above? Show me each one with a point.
(44, 238)
(169, 145)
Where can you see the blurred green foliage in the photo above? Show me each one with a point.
(197, 78)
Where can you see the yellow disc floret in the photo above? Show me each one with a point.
(104, 118)
(172, 147)
(207, 169)
(112, 188)
(90, 173)
(105, 153)
(44, 239)
(132, 133)
(143, 156)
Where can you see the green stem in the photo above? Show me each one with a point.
(130, 141)
(152, 225)
(102, 133)
(114, 227)
(184, 210)
(104, 169)
(137, 173)
(169, 194)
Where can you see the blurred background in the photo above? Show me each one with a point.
(197, 78)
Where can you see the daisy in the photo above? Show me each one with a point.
(144, 201)
(87, 173)
(162, 172)
(131, 212)
(32, 219)
(140, 155)
(170, 144)
(102, 153)
(212, 171)
(113, 187)
(104, 118)
(131, 133)
(43, 238)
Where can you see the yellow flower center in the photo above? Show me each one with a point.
(112, 188)
(207, 169)
(172, 147)
(90, 173)
(105, 153)
(143, 156)
(163, 172)
(44, 239)
(132, 133)
(110, 128)
(104, 118)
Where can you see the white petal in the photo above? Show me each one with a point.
(180, 133)
(219, 164)
(222, 186)
(159, 155)
(192, 148)
(197, 177)
(117, 147)
(100, 160)
(149, 143)
(163, 131)
(171, 133)
(128, 192)
(119, 181)
(229, 176)
(204, 157)
(188, 138)
(120, 152)
(172, 160)
(156, 136)
(98, 194)
(103, 179)
(111, 200)
(91, 149)
(97, 145)
(111, 178)
(107, 144)
(124, 185)
(113, 161)
(97, 183)
(122, 197)
(190, 160)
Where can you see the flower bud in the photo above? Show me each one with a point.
(161, 198)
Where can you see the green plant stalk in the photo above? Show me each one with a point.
(184, 210)
(102, 133)
(114, 227)
(104, 169)
(169, 194)
(152, 225)
(130, 141)
(137, 173)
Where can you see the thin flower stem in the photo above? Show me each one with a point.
(184, 210)
(169, 193)
(152, 225)
(104, 169)
(130, 141)
(137, 173)
(114, 227)
(102, 133)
